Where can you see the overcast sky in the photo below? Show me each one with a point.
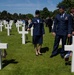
(27, 6)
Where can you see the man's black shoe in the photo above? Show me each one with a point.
(62, 55)
(52, 56)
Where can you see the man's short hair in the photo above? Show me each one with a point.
(62, 7)
(37, 12)
(72, 9)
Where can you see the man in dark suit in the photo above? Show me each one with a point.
(38, 31)
(61, 30)
(49, 24)
(70, 39)
(72, 14)
(26, 23)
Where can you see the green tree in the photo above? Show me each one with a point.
(4, 14)
(72, 3)
(0, 15)
(15, 16)
(9, 16)
(30, 16)
(66, 3)
(22, 16)
(45, 13)
(55, 12)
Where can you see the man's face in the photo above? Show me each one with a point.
(72, 11)
(61, 10)
(37, 15)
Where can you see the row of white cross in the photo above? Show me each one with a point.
(8, 27)
(18, 25)
(4, 45)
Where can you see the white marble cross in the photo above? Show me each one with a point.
(5, 23)
(10, 23)
(32, 31)
(18, 26)
(8, 29)
(23, 25)
(53, 25)
(20, 22)
(60, 43)
(23, 32)
(71, 48)
(2, 46)
(1, 26)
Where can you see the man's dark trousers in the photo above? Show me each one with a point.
(56, 44)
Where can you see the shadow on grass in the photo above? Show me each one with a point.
(12, 34)
(44, 50)
(7, 62)
(68, 63)
(58, 52)
(28, 42)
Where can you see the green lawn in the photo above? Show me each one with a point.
(21, 59)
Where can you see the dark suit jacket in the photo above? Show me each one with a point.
(72, 22)
(49, 22)
(38, 26)
(63, 26)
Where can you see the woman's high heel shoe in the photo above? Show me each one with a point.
(39, 53)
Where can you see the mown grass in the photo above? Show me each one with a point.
(21, 59)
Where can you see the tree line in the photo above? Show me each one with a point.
(44, 13)
(6, 15)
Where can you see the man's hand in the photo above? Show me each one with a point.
(54, 34)
(28, 29)
(69, 35)
(73, 32)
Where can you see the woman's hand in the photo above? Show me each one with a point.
(53, 33)
(28, 29)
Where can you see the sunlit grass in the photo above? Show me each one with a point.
(21, 59)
